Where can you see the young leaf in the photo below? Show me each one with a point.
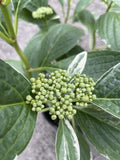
(108, 26)
(67, 146)
(107, 91)
(104, 137)
(17, 121)
(87, 19)
(82, 5)
(78, 64)
(98, 62)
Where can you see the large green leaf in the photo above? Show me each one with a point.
(98, 62)
(17, 121)
(58, 41)
(108, 91)
(109, 29)
(78, 64)
(104, 136)
(82, 5)
(87, 19)
(67, 146)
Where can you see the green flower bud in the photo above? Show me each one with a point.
(28, 98)
(53, 117)
(57, 113)
(52, 110)
(85, 98)
(38, 109)
(70, 116)
(33, 109)
(32, 80)
(61, 116)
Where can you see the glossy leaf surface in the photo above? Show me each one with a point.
(17, 121)
(67, 146)
(107, 90)
(104, 136)
(98, 62)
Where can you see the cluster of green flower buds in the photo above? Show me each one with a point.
(42, 12)
(60, 94)
(5, 2)
(83, 90)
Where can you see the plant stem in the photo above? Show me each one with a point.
(109, 6)
(41, 69)
(22, 56)
(5, 38)
(46, 24)
(8, 21)
(94, 41)
(44, 110)
(68, 12)
(102, 47)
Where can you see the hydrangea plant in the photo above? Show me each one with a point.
(54, 74)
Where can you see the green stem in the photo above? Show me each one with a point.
(8, 21)
(41, 69)
(5, 38)
(101, 48)
(94, 41)
(109, 6)
(46, 24)
(44, 110)
(4, 30)
(22, 56)
(68, 12)
(16, 18)
(108, 99)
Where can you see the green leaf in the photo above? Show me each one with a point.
(82, 5)
(104, 136)
(17, 121)
(32, 50)
(78, 64)
(67, 146)
(87, 19)
(59, 40)
(108, 91)
(84, 147)
(98, 62)
(17, 64)
(109, 29)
